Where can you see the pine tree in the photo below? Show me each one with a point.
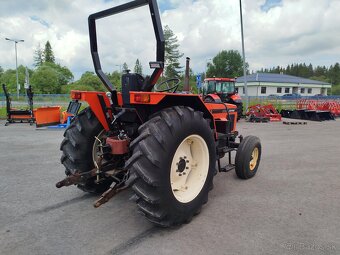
(125, 67)
(172, 54)
(38, 56)
(334, 74)
(138, 67)
(48, 53)
(310, 70)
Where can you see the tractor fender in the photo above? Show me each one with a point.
(214, 97)
(92, 98)
(236, 98)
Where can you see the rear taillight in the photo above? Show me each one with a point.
(76, 95)
(142, 98)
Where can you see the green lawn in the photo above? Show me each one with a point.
(2, 112)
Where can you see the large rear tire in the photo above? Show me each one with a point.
(78, 148)
(172, 165)
(239, 110)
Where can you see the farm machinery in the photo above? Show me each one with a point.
(167, 146)
(19, 115)
(222, 90)
(262, 113)
(314, 110)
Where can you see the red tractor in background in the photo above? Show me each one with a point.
(222, 90)
(166, 145)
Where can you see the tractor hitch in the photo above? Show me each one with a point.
(75, 178)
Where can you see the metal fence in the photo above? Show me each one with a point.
(286, 102)
(64, 99)
(38, 100)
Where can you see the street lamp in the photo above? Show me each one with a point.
(244, 58)
(120, 69)
(16, 60)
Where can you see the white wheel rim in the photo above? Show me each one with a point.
(95, 148)
(189, 168)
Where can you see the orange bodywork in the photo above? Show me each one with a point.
(217, 110)
(91, 97)
(64, 116)
(48, 115)
(236, 97)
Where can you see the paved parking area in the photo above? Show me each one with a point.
(292, 206)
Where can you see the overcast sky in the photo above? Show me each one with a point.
(277, 32)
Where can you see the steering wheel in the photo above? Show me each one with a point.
(170, 85)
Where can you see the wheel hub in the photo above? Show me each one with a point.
(253, 159)
(189, 168)
(181, 165)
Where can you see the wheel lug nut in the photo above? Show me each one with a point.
(187, 168)
(185, 157)
(180, 174)
(187, 161)
(184, 173)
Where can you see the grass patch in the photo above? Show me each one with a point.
(3, 113)
(278, 104)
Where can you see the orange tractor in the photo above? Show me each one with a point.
(222, 90)
(167, 146)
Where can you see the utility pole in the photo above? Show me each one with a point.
(16, 61)
(244, 59)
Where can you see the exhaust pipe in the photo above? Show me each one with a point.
(186, 87)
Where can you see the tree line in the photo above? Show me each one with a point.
(329, 74)
(49, 77)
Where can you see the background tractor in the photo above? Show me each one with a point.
(222, 90)
(167, 146)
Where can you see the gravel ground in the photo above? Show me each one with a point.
(292, 206)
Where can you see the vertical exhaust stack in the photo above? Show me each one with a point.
(187, 76)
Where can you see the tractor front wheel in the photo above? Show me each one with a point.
(248, 157)
(173, 164)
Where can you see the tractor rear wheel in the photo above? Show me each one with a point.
(172, 166)
(248, 157)
(239, 110)
(80, 148)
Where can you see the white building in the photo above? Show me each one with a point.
(264, 84)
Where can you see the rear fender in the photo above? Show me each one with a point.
(91, 97)
(215, 97)
(157, 101)
(236, 98)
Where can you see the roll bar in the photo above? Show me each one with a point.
(157, 25)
